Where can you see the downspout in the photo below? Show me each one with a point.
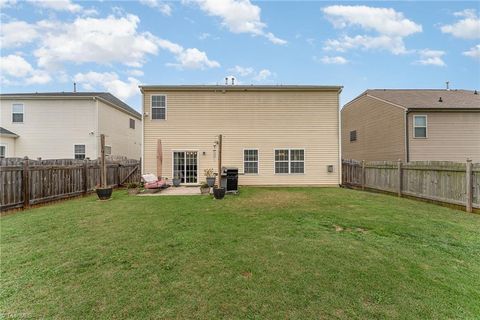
(142, 155)
(407, 146)
(339, 129)
(97, 128)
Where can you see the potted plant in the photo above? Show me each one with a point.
(132, 188)
(218, 193)
(103, 193)
(204, 188)
(176, 180)
(210, 177)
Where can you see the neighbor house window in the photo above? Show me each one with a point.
(3, 152)
(132, 124)
(108, 150)
(79, 150)
(17, 113)
(159, 107)
(289, 161)
(419, 126)
(250, 161)
(353, 135)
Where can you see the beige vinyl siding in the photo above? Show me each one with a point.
(115, 124)
(451, 136)
(52, 127)
(380, 130)
(9, 143)
(263, 120)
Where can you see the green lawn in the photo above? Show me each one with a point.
(268, 253)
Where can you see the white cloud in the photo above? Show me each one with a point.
(101, 41)
(16, 67)
(192, 58)
(135, 72)
(473, 52)
(7, 3)
(17, 33)
(58, 5)
(391, 27)
(161, 6)
(110, 82)
(431, 57)
(242, 71)
(238, 16)
(263, 75)
(466, 28)
(332, 60)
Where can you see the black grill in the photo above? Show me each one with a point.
(230, 179)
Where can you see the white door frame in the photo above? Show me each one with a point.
(185, 164)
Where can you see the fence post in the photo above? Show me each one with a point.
(26, 183)
(85, 175)
(469, 186)
(118, 175)
(363, 175)
(400, 174)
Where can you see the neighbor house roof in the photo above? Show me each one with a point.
(427, 98)
(5, 132)
(241, 87)
(103, 96)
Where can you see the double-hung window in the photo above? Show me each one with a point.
(17, 113)
(289, 161)
(108, 150)
(159, 107)
(353, 135)
(419, 126)
(3, 151)
(132, 123)
(250, 161)
(79, 151)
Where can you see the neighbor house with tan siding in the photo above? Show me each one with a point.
(412, 125)
(274, 135)
(66, 125)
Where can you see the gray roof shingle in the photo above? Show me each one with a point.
(428, 98)
(110, 98)
(7, 132)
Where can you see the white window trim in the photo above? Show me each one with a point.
(80, 144)
(258, 162)
(151, 106)
(23, 113)
(107, 145)
(6, 148)
(290, 161)
(415, 126)
(198, 165)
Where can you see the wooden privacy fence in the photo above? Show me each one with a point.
(25, 182)
(443, 181)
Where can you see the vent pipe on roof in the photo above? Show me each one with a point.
(440, 99)
(74, 87)
(447, 84)
(226, 81)
(475, 92)
(233, 81)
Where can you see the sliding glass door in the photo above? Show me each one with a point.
(185, 166)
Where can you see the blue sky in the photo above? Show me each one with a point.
(117, 45)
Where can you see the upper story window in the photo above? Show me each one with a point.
(17, 113)
(3, 151)
(159, 107)
(419, 126)
(250, 161)
(132, 123)
(289, 161)
(79, 151)
(108, 150)
(353, 135)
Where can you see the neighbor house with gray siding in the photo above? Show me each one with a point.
(412, 125)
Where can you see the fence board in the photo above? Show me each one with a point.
(54, 179)
(442, 181)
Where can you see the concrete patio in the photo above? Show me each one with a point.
(175, 191)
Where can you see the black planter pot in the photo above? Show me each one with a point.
(211, 181)
(219, 193)
(104, 193)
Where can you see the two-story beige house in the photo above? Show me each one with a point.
(275, 135)
(66, 125)
(412, 125)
